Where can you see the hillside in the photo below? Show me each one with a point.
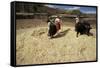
(36, 8)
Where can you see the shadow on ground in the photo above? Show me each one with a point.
(62, 34)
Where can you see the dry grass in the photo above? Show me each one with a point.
(34, 47)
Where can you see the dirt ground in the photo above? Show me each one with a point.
(33, 46)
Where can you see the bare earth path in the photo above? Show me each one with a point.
(34, 47)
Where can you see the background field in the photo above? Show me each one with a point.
(33, 46)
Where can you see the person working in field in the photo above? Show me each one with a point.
(58, 23)
(54, 25)
(52, 30)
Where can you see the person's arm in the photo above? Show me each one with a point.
(60, 22)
